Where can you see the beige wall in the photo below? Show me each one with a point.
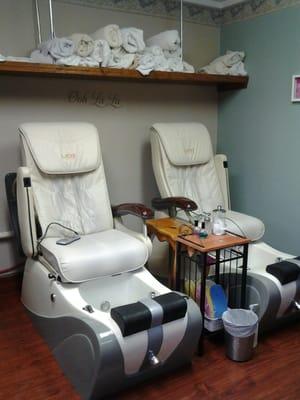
(124, 131)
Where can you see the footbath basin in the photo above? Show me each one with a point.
(113, 291)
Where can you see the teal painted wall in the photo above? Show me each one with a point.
(259, 128)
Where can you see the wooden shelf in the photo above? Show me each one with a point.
(223, 82)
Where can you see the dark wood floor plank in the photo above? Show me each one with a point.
(29, 372)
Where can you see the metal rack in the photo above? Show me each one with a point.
(225, 267)
(223, 261)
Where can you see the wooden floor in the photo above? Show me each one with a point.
(28, 370)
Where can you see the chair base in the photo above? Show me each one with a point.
(74, 320)
(273, 302)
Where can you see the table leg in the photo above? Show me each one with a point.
(244, 276)
(171, 268)
(203, 265)
(177, 259)
(217, 266)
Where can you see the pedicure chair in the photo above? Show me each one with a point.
(108, 321)
(184, 165)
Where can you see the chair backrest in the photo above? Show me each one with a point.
(67, 176)
(183, 163)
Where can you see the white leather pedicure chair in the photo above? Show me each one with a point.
(184, 165)
(108, 321)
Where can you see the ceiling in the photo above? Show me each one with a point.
(218, 4)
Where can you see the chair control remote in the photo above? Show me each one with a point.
(66, 241)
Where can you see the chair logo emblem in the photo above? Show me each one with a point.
(69, 156)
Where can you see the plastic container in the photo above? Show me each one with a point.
(241, 327)
(219, 225)
(213, 324)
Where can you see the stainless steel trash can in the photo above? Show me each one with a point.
(239, 348)
(241, 328)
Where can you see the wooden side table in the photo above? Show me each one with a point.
(167, 230)
(214, 250)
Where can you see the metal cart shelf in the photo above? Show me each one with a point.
(222, 259)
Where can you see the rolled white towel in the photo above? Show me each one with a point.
(161, 63)
(168, 40)
(238, 69)
(2, 58)
(111, 33)
(225, 65)
(155, 50)
(38, 57)
(233, 57)
(18, 59)
(120, 59)
(75, 60)
(133, 40)
(88, 62)
(173, 54)
(57, 47)
(83, 44)
(216, 68)
(175, 64)
(146, 64)
(101, 52)
(188, 67)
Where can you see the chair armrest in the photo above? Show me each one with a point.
(26, 213)
(183, 203)
(136, 209)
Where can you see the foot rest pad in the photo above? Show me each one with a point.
(285, 271)
(145, 314)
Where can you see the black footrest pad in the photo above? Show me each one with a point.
(285, 271)
(137, 317)
(173, 305)
(132, 318)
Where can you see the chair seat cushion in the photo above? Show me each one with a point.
(99, 254)
(244, 225)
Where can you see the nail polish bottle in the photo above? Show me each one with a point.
(196, 229)
(203, 232)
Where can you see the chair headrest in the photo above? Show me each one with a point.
(63, 148)
(185, 143)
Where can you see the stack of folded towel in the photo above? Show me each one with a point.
(230, 63)
(113, 47)
(166, 53)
